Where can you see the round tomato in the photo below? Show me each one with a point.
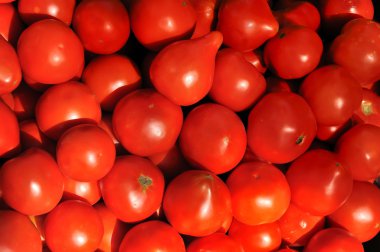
(216, 242)
(10, 71)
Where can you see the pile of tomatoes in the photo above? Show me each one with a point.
(189, 125)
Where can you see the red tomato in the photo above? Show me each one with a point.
(333, 239)
(35, 10)
(246, 24)
(32, 136)
(84, 191)
(319, 182)
(102, 25)
(332, 93)
(183, 71)
(168, 21)
(360, 214)
(280, 127)
(369, 110)
(64, 106)
(255, 200)
(294, 52)
(73, 226)
(152, 236)
(205, 10)
(218, 130)
(110, 78)
(50, 59)
(357, 49)
(255, 57)
(31, 189)
(259, 238)
(25, 100)
(359, 149)
(17, 233)
(216, 242)
(197, 203)
(9, 130)
(10, 71)
(238, 87)
(10, 23)
(298, 226)
(146, 123)
(135, 193)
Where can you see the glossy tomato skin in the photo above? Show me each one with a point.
(294, 52)
(16, 227)
(369, 110)
(189, 194)
(255, 200)
(280, 127)
(332, 93)
(50, 59)
(146, 122)
(161, 236)
(246, 24)
(64, 106)
(356, 49)
(9, 130)
(334, 239)
(73, 226)
(218, 130)
(32, 11)
(319, 182)
(174, 21)
(31, 183)
(133, 189)
(10, 70)
(85, 191)
(184, 70)
(358, 148)
(259, 238)
(360, 214)
(10, 23)
(32, 136)
(216, 242)
(102, 25)
(205, 10)
(237, 88)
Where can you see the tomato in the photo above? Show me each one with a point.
(50, 59)
(161, 237)
(146, 123)
(369, 110)
(255, 57)
(259, 238)
(84, 191)
(216, 242)
(358, 148)
(298, 226)
(16, 227)
(333, 239)
(64, 106)
(10, 71)
(197, 203)
(31, 189)
(32, 11)
(25, 100)
(9, 130)
(32, 136)
(280, 127)
(319, 182)
(218, 130)
(102, 25)
(10, 23)
(360, 214)
(246, 24)
(135, 193)
(237, 88)
(110, 78)
(168, 21)
(183, 71)
(357, 49)
(254, 199)
(73, 226)
(205, 10)
(294, 52)
(332, 93)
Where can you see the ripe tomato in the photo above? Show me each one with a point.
(369, 110)
(73, 226)
(135, 193)
(50, 59)
(216, 242)
(9, 130)
(10, 71)
(17, 233)
(255, 200)
(319, 182)
(197, 203)
(32, 136)
(31, 189)
(280, 127)
(218, 130)
(84, 191)
(10, 23)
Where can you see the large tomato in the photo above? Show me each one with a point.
(10, 71)
(9, 130)
(216, 242)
